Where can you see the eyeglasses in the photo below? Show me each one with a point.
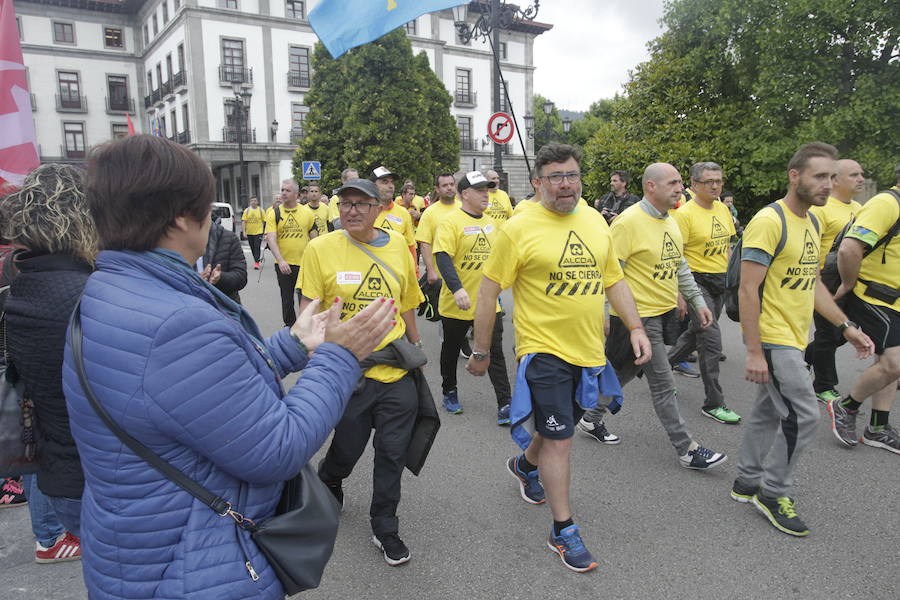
(362, 208)
(557, 178)
(711, 182)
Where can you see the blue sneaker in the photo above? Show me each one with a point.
(503, 415)
(529, 483)
(686, 369)
(451, 403)
(571, 550)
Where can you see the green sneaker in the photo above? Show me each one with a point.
(722, 414)
(828, 395)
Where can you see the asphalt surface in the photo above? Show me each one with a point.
(657, 530)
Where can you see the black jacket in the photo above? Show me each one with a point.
(41, 299)
(224, 248)
(616, 204)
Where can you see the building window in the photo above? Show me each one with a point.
(63, 33)
(228, 4)
(411, 27)
(174, 121)
(298, 76)
(119, 130)
(181, 58)
(74, 136)
(162, 126)
(165, 7)
(465, 133)
(504, 105)
(69, 89)
(233, 61)
(112, 37)
(149, 81)
(295, 9)
(169, 68)
(298, 121)
(146, 36)
(503, 51)
(177, 4)
(464, 87)
(159, 79)
(19, 27)
(117, 87)
(185, 123)
(155, 25)
(234, 118)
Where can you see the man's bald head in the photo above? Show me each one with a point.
(662, 185)
(849, 181)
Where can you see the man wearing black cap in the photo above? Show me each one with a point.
(462, 245)
(393, 216)
(362, 264)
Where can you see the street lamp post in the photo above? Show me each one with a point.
(567, 126)
(495, 16)
(242, 96)
(548, 128)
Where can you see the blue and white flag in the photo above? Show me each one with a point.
(345, 24)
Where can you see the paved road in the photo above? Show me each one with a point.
(659, 531)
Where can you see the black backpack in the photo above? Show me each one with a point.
(733, 272)
(830, 275)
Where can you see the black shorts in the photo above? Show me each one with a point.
(553, 382)
(880, 323)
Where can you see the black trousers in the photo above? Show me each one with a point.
(454, 335)
(820, 354)
(255, 242)
(287, 283)
(391, 409)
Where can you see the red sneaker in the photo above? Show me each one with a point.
(256, 266)
(67, 547)
(12, 493)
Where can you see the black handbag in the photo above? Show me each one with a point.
(297, 541)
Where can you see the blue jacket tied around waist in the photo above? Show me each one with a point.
(186, 373)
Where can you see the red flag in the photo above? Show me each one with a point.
(18, 144)
(130, 124)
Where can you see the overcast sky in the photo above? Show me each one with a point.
(593, 44)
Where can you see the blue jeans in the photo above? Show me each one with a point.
(44, 524)
(68, 511)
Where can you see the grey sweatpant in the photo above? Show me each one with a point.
(708, 344)
(782, 423)
(662, 385)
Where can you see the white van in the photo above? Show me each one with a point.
(224, 212)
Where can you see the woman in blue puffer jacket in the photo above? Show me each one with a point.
(183, 369)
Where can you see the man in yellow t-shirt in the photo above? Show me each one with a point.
(649, 245)
(561, 266)
(445, 192)
(334, 215)
(253, 219)
(364, 264)
(775, 323)
(833, 217)
(499, 207)
(462, 245)
(706, 227)
(289, 227)
(413, 203)
(318, 208)
(869, 264)
(393, 216)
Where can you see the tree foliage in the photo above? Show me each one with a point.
(378, 105)
(746, 82)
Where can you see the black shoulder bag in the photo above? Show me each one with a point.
(297, 541)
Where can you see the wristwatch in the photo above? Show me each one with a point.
(479, 356)
(847, 324)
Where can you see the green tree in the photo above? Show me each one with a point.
(547, 128)
(378, 105)
(746, 82)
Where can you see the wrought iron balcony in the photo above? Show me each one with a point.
(117, 105)
(73, 154)
(71, 103)
(297, 134)
(179, 80)
(167, 88)
(465, 98)
(298, 79)
(231, 135)
(148, 101)
(466, 144)
(156, 96)
(231, 74)
(183, 137)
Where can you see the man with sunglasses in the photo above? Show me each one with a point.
(558, 258)
(706, 227)
(362, 264)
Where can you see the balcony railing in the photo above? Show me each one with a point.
(465, 98)
(179, 80)
(73, 154)
(466, 144)
(148, 101)
(230, 74)
(231, 134)
(68, 103)
(156, 95)
(297, 134)
(166, 88)
(117, 105)
(297, 79)
(183, 137)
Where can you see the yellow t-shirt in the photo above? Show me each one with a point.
(321, 217)
(430, 220)
(292, 232)
(706, 234)
(526, 205)
(396, 218)
(559, 267)
(333, 266)
(833, 217)
(333, 211)
(253, 221)
(652, 250)
(789, 288)
(499, 207)
(468, 241)
(875, 219)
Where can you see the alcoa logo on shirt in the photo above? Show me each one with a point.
(553, 424)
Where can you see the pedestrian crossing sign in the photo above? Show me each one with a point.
(312, 169)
